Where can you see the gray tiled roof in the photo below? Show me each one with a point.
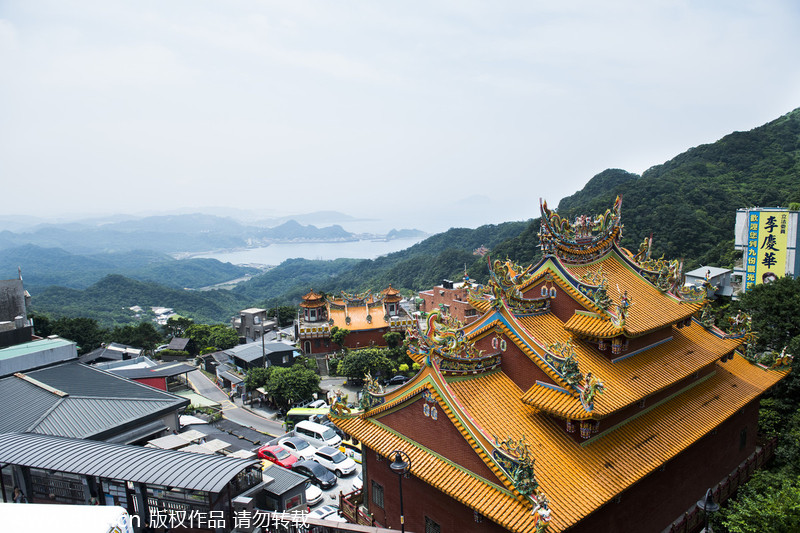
(153, 466)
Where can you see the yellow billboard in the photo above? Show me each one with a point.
(766, 246)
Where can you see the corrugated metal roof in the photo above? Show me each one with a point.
(96, 402)
(82, 380)
(282, 479)
(209, 473)
(24, 402)
(88, 417)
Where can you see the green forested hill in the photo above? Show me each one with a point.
(42, 267)
(108, 301)
(689, 203)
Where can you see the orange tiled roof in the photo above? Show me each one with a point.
(392, 295)
(633, 378)
(358, 317)
(651, 309)
(593, 325)
(633, 449)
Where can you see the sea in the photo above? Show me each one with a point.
(275, 254)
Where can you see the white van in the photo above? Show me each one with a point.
(316, 434)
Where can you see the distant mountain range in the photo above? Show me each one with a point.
(687, 203)
(173, 234)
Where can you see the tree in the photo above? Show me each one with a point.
(286, 314)
(338, 335)
(86, 332)
(356, 364)
(257, 377)
(291, 385)
(219, 336)
(176, 325)
(393, 339)
(775, 308)
(224, 337)
(142, 335)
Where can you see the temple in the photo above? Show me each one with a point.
(593, 393)
(367, 317)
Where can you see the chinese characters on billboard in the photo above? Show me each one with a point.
(766, 247)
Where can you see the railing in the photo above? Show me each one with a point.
(350, 508)
(692, 520)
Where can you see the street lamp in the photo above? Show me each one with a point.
(401, 465)
(708, 505)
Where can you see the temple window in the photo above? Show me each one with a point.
(377, 494)
(431, 526)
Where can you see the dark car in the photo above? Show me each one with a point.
(397, 380)
(318, 474)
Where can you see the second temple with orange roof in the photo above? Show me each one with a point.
(367, 316)
(593, 393)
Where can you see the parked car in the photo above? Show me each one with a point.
(316, 473)
(397, 380)
(327, 512)
(358, 483)
(299, 447)
(313, 494)
(335, 461)
(278, 455)
(316, 434)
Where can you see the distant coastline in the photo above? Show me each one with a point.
(275, 253)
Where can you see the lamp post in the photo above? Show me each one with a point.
(401, 465)
(708, 505)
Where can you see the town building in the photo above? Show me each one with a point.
(252, 324)
(152, 484)
(79, 401)
(718, 279)
(593, 393)
(15, 326)
(182, 344)
(36, 353)
(451, 299)
(112, 351)
(262, 354)
(367, 317)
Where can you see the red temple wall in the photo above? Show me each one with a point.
(440, 435)
(419, 500)
(654, 502)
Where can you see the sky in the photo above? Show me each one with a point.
(436, 113)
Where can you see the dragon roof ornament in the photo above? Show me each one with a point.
(505, 279)
(443, 338)
(514, 457)
(582, 240)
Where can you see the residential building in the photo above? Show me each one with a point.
(253, 323)
(451, 299)
(591, 394)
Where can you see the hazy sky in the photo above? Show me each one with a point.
(472, 110)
